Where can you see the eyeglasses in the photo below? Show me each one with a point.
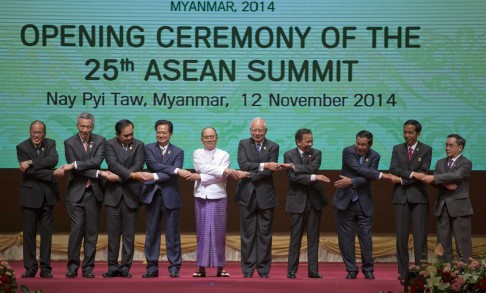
(209, 137)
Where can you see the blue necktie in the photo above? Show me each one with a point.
(450, 164)
(258, 147)
(355, 196)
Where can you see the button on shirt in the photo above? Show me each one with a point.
(210, 164)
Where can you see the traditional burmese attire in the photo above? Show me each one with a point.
(211, 206)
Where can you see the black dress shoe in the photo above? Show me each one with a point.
(264, 276)
(88, 275)
(291, 275)
(247, 275)
(71, 274)
(46, 274)
(369, 275)
(315, 275)
(150, 275)
(174, 274)
(125, 274)
(351, 275)
(110, 274)
(29, 274)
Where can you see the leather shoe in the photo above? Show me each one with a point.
(110, 274)
(71, 274)
(291, 275)
(150, 275)
(29, 274)
(369, 275)
(174, 274)
(247, 275)
(315, 275)
(88, 275)
(124, 274)
(351, 275)
(264, 276)
(46, 274)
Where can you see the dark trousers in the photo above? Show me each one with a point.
(121, 222)
(156, 211)
(309, 220)
(85, 215)
(256, 228)
(32, 217)
(349, 221)
(415, 214)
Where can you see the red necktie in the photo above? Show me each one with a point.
(410, 152)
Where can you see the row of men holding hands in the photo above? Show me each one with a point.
(257, 160)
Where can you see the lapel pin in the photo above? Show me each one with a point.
(420, 159)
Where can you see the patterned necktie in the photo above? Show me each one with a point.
(258, 147)
(410, 153)
(163, 151)
(450, 163)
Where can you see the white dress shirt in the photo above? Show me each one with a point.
(210, 164)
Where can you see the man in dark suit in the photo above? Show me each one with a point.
(84, 154)
(305, 200)
(354, 203)
(163, 200)
(125, 157)
(257, 156)
(410, 162)
(37, 157)
(453, 207)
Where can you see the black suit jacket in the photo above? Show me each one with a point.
(38, 181)
(123, 163)
(411, 190)
(260, 182)
(361, 176)
(300, 184)
(88, 165)
(457, 201)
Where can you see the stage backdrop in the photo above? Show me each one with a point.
(335, 67)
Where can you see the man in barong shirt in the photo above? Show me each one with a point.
(212, 168)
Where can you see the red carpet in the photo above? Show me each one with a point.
(334, 281)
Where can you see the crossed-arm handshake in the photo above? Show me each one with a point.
(429, 179)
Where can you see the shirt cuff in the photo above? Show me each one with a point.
(313, 177)
(262, 166)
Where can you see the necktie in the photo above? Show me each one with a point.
(38, 151)
(410, 153)
(85, 144)
(258, 147)
(163, 151)
(305, 159)
(450, 163)
(355, 196)
(125, 148)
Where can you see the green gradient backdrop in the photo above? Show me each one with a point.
(442, 84)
